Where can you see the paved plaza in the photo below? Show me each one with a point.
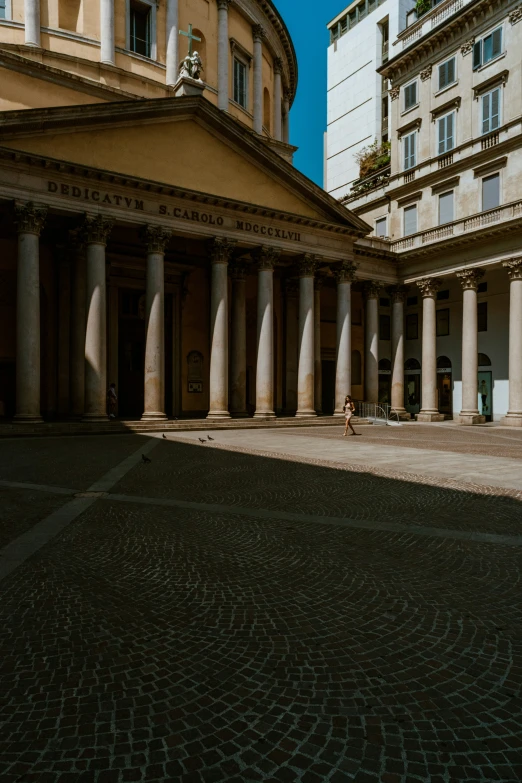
(269, 605)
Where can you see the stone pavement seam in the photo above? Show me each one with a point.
(395, 527)
(26, 545)
(39, 487)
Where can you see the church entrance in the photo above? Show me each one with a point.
(444, 385)
(328, 395)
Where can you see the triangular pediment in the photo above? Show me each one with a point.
(179, 142)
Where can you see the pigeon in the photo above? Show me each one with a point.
(164, 436)
(202, 440)
(145, 459)
(209, 438)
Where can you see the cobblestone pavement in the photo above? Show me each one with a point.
(222, 614)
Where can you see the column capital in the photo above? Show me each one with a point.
(223, 5)
(469, 278)
(156, 238)
(30, 217)
(238, 270)
(307, 265)
(266, 257)
(258, 32)
(398, 292)
(278, 65)
(514, 268)
(221, 249)
(345, 273)
(372, 289)
(96, 229)
(429, 287)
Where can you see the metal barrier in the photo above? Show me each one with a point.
(377, 413)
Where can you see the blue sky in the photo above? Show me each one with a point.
(306, 21)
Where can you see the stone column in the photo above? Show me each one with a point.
(32, 22)
(278, 118)
(220, 252)
(29, 223)
(514, 270)
(78, 298)
(238, 366)
(429, 411)
(345, 275)
(291, 345)
(96, 232)
(172, 42)
(305, 370)
(371, 341)
(258, 34)
(469, 413)
(286, 123)
(318, 369)
(107, 54)
(398, 295)
(223, 54)
(157, 239)
(266, 258)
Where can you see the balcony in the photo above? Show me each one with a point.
(460, 227)
(428, 19)
(360, 187)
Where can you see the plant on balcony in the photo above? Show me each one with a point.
(422, 7)
(373, 158)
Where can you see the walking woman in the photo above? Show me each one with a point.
(349, 409)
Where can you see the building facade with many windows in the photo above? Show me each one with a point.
(448, 209)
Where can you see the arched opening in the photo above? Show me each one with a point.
(485, 387)
(201, 48)
(266, 111)
(444, 385)
(412, 386)
(356, 368)
(384, 367)
(69, 15)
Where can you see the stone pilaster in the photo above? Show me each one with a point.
(514, 270)
(266, 258)
(259, 35)
(429, 411)
(469, 414)
(238, 367)
(286, 122)
(220, 252)
(172, 42)
(29, 220)
(278, 97)
(371, 341)
(223, 54)
(398, 295)
(345, 276)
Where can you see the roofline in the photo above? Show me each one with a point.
(340, 14)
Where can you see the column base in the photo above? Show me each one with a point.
(27, 418)
(264, 415)
(217, 415)
(429, 415)
(92, 418)
(305, 414)
(402, 413)
(154, 416)
(468, 418)
(512, 420)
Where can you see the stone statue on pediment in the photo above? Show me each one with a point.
(192, 66)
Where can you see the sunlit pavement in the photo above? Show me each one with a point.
(282, 605)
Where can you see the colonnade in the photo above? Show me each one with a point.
(108, 57)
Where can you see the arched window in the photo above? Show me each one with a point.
(201, 48)
(443, 362)
(356, 368)
(384, 364)
(412, 364)
(483, 360)
(69, 15)
(266, 110)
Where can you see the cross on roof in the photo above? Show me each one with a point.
(191, 38)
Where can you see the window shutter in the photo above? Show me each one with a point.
(450, 143)
(490, 192)
(406, 152)
(409, 151)
(442, 76)
(442, 135)
(451, 70)
(477, 55)
(495, 109)
(410, 95)
(410, 220)
(497, 42)
(446, 208)
(486, 102)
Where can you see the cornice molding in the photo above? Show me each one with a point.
(454, 103)
(410, 126)
(498, 78)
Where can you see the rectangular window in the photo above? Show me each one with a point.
(140, 28)
(344, 25)
(487, 48)
(446, 133)
(491, 110)
(490, 192)
(410, 144)
(443, 323)
(446, 73)
(380, 227)
(3, 13)
(240, 83)
(384, 327)
(410, 220)
(446, 214)
(410, 96)
(372, 5)
(412, 326)
(362, 11)
(353, 18)
(482, 317)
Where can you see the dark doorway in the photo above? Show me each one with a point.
(7, 389)
(385, 381)
(131, 353)
(444, 385)
(328, 373)
(412, 386)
